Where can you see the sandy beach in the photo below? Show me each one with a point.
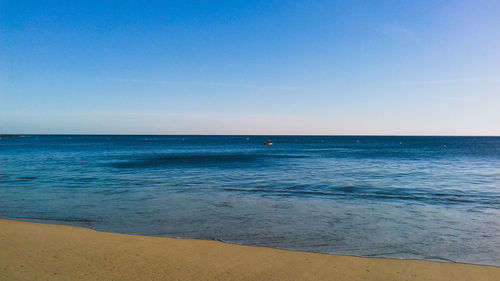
(36, 251)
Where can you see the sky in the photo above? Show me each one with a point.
(250, 67)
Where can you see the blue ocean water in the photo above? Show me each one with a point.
(435, 198)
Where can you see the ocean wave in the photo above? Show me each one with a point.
(493, 200)
(199, 160)
(84, 221)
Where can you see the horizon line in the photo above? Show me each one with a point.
(242, 135)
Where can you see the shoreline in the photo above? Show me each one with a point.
(41, 251)
(69, 223)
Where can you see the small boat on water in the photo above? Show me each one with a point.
(268, 143)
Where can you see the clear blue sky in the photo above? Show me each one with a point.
(250, 67)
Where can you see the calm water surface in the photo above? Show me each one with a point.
(435, 198)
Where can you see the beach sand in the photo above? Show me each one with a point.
(35, 251)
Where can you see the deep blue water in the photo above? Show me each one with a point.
(435, 198)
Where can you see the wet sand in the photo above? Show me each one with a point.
(36, 251)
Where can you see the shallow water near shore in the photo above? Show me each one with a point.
(435, 198)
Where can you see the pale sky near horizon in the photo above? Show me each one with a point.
(250, 67)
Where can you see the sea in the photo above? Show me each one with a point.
(405, 197)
